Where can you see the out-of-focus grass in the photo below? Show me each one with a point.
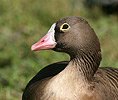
(23, 22)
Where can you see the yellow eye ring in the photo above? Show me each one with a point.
(64, 26)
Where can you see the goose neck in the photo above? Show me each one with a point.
(86, 64)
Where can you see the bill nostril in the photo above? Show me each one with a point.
(43, 41)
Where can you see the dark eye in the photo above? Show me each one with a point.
(65, 26)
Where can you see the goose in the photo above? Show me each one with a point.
(80, 78)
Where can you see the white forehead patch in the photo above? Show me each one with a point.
(51, 32)
(52, 28)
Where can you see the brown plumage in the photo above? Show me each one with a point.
(77, 79)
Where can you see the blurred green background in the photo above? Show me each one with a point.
(24, 22)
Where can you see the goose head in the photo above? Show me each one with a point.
(72, 35)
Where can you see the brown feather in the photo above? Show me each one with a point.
(77, 79)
